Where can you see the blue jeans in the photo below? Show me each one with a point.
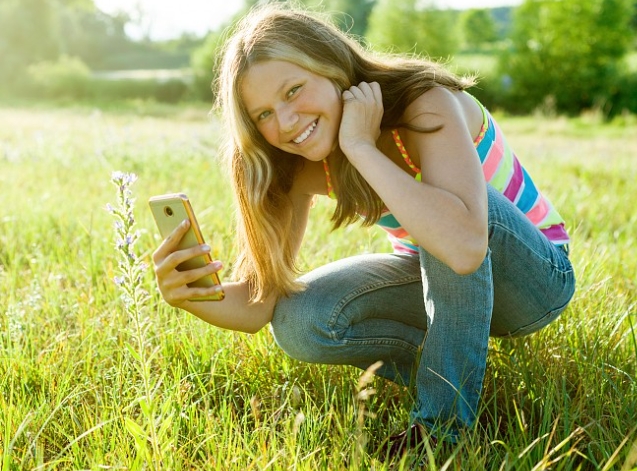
(424, 321)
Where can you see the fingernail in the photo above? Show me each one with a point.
(205, 248)
(184, 223)
(217, 265)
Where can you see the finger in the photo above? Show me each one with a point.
(353, 94)
(164, 266)
(186, 277)
(376, 90)
(365, 87)
(372, 90)
(203, 292)
(179, 293)
(189, 294)
(171, 242)
(360, 91)
(348, 96)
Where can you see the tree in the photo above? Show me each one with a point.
(33, 31)
(203, 64)
(92, 35)
(403, 26)
(27, 35)
(352, 15)
(567, 50)
(478, 27)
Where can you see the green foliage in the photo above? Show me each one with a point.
(37, 30)
(351, 15)
(203, 63)
(403, 26)
(566, 52)
(169, 91)
(66, 77)
(478, 27)
(90, 34)
(69, 79)
(622, 96)
(37, 38)
(26, 36)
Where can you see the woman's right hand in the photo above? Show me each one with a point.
(173, 284)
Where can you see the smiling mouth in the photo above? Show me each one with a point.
(306, 133)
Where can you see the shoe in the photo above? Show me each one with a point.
(414, 438)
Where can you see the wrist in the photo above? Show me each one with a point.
(359, 151)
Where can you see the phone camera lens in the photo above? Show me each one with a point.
(168, 211)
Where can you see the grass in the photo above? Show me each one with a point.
(86, 383)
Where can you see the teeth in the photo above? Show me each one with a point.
(306, 134)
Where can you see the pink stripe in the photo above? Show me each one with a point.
(402, 249)
(538, 212)
(556, 233)
(513, 188)
(496, 152)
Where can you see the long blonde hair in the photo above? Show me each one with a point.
(262, 175)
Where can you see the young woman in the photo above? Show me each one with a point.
(398, 142)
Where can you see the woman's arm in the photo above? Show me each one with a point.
(236, 311)
(446, 213)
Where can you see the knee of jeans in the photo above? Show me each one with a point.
(300, 330)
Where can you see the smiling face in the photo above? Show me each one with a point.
(294, 109)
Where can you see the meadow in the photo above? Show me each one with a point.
(90, 381)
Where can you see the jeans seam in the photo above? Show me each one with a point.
(380, 341)
(553, 313)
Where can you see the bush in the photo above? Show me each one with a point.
(170, 91)
(492, 91)
(405, 26)
(491, 88)
(69, 78)
(203, 61)
(622, 96)
(66, 77)
(567, 52)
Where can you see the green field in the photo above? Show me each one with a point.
(89, 383)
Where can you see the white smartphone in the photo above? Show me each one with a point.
(169, 211)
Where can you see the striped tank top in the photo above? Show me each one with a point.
(501, 169)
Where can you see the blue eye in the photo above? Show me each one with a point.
(263, 115)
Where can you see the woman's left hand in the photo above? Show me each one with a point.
(362, 114)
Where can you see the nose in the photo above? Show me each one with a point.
(287, 118)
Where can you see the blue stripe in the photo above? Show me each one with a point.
(388, 220)
(484, 148)
(529, 194)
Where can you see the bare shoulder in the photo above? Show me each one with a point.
(440, 106)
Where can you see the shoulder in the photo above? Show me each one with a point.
(438, 101)
(439, 107)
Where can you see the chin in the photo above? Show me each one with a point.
(313, 158)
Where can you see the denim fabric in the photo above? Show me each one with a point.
(424, 321)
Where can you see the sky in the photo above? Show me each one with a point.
(166, 19)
